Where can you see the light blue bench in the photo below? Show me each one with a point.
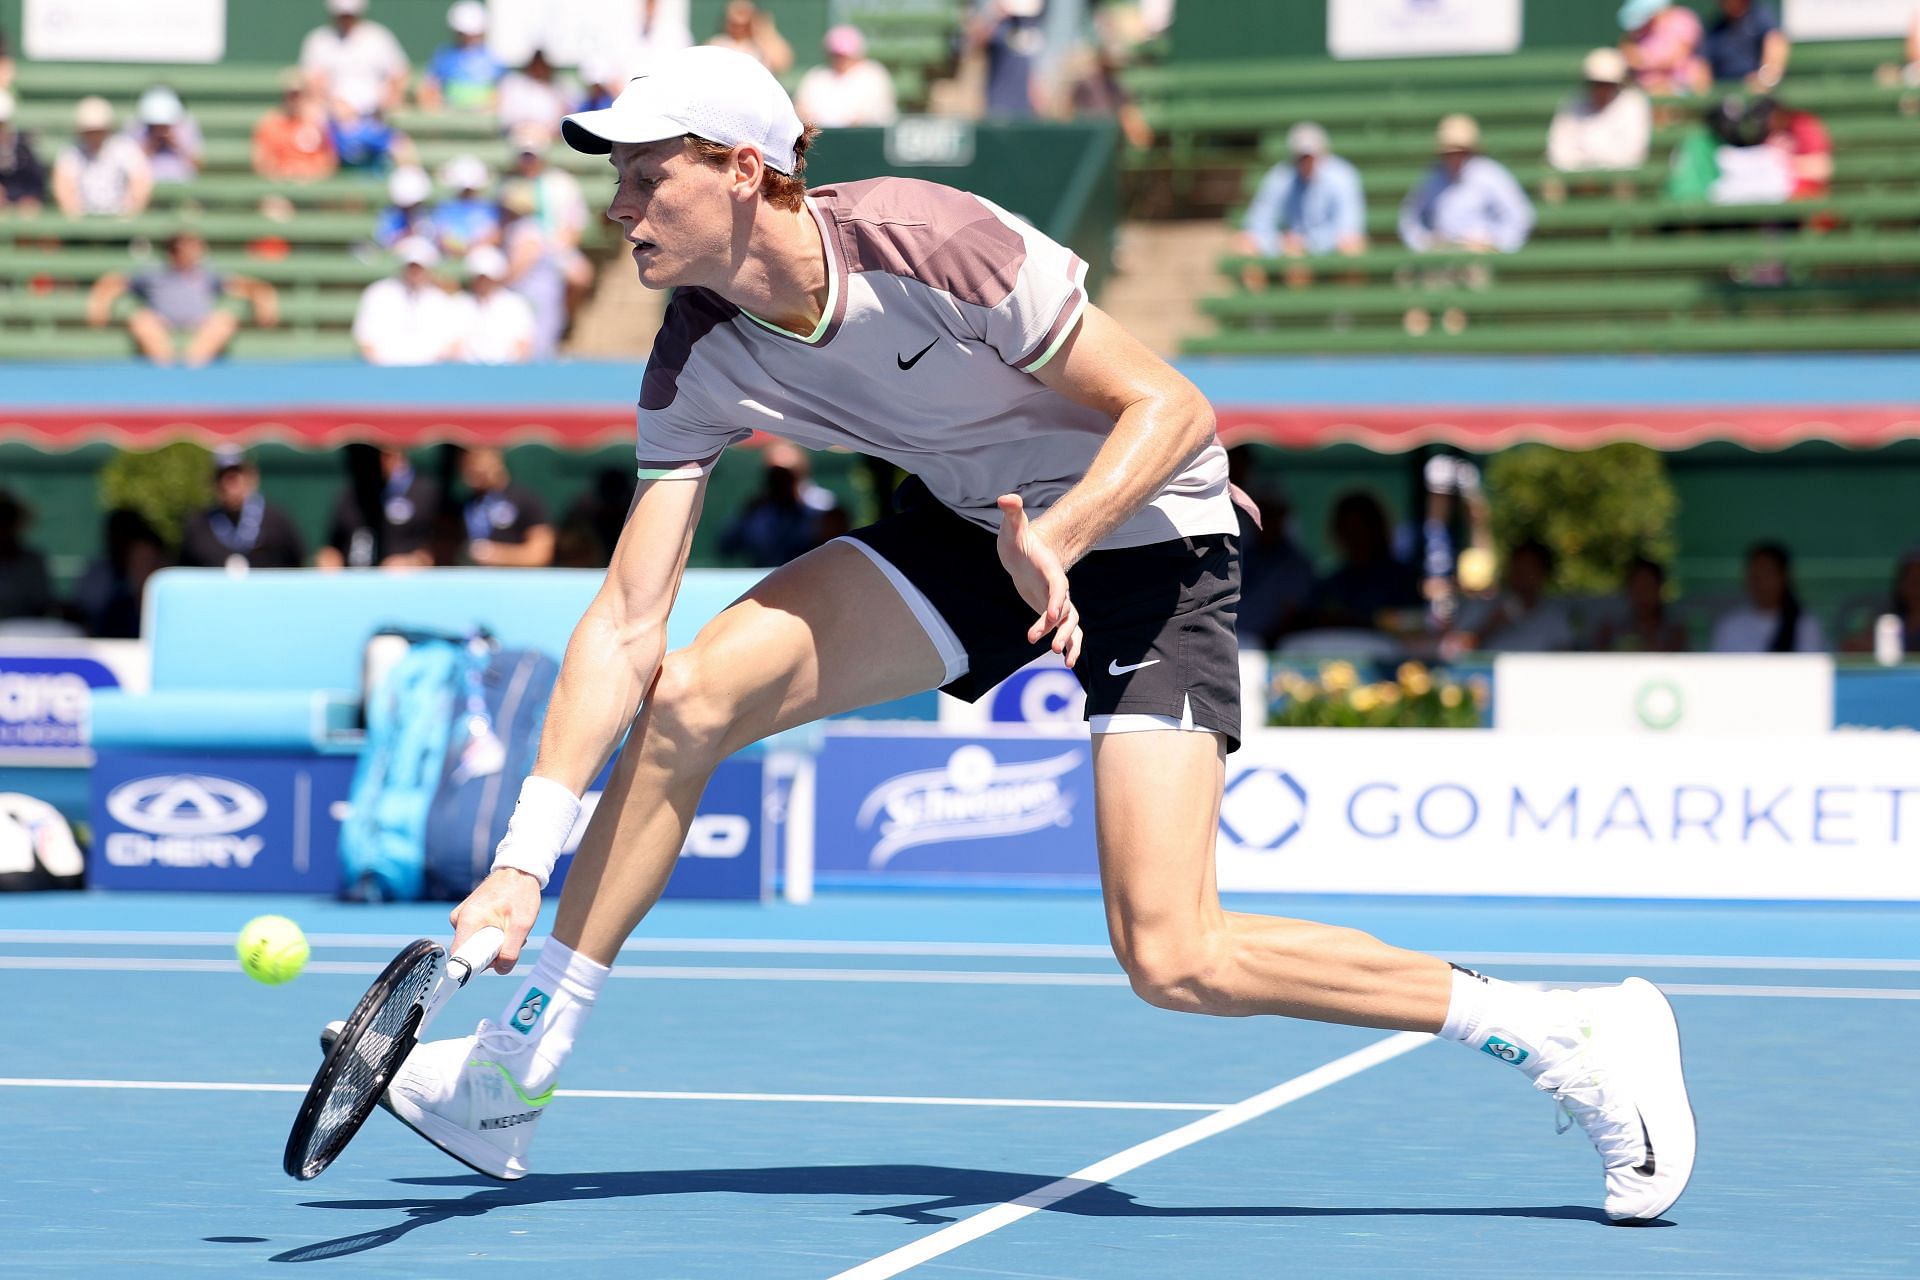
(269, 661)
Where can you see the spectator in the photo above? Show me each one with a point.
(462, 75)
(1608, 126)
(110, 594)
(1369, 580)
(1662, 47)
(355, 59)
(1772, 621)
(241, 530)
(1468, 201)
(407, 214)
(1803, 141)
(602, 76)
(1643, 626)
(506, 523)
(100, 173)
(1911, 74)
(1099, 93)
(662, 29)
(1276, 578)
(399, 535)
(789, 517)
(1011, 34)
(182, 314)
(541, 268)
(167, 135)
(748, 28)
(25, 589)
(851, 89)
(531, 99)
(1903, 602)
(6, 61)
(600, 513)
(294, 144)
(558, 203)
(1744, 44)
(1311, 205)
(23, 180)
(361, 136)
(1523, 618)
(495, 324)
(467, 218)
(407, 319)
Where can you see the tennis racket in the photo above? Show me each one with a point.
(376, 1039)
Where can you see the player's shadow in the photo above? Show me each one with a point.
(933, 1195)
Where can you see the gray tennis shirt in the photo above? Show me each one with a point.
(940, 307)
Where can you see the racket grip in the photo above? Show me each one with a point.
(477, 954)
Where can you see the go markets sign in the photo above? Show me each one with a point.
(1465, 812)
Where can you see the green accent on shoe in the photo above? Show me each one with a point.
(540, 1101)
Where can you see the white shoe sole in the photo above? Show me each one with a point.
(456, 1140)
(1658, 1085)
(450, 1138)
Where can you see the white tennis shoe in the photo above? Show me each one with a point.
(1613, 1064)
(462, 1096)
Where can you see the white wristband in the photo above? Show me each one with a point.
(542, 820)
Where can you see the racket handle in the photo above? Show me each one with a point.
(478, 953)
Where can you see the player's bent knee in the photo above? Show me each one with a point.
(1181, 973)
(688, 713)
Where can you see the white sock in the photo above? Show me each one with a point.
(549, 1009)
(1497, 1018)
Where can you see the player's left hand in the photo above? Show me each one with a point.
(1040, 577)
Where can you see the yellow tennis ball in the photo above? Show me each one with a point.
(272, 949)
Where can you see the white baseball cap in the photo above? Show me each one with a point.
(468, 17)
(417, 251)
(161, 105)
(354, 7)
(485, 260)
(409, 185)
(1605, 66)
(465, 173)
(1308, 139)
(92, 113)
(714, 93)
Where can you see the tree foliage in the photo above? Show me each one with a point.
(166, 486)
(1596, 509)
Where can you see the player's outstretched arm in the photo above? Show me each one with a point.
(610, 663)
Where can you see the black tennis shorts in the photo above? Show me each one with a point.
(1158, 620)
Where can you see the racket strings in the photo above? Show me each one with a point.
(364, 1073)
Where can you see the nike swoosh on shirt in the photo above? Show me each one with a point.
(905, 363)
(1115, 669)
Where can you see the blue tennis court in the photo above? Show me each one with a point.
(958, 1086)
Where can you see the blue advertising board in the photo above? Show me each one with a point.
(45, 700)
(729, 848)
(1011, 808)
(257, 823)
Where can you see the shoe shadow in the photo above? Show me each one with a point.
(933, 1195)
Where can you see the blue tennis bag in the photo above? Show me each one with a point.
(452, 728)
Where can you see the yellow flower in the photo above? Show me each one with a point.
(1389, 694)
(1364, 699)
(1414, 679)
(1450, 695)
(1339, 676)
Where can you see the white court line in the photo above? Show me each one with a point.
(653, 1095)
(1012, 950)
(648, 972)
(928, 977)
(952, 1237)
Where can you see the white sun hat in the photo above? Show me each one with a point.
(718, 94)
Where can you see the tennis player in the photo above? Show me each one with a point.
(1069, 494)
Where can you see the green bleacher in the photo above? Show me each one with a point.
(1613, 264)
(322, 256)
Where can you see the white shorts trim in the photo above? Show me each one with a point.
(1136, 722)
(942, 635)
